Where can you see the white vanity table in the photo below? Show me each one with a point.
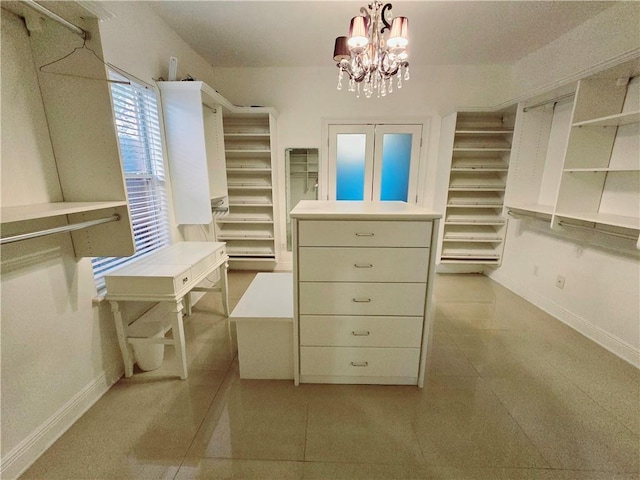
(166, 275)
(363, 277)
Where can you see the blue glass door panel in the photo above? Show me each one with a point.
(396, 165)
(350, 166)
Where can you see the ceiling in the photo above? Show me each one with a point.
(301, 33)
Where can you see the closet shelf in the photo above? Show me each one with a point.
(617, 120)
(239, 203)
(21, 213)
(246, 186)
(531, 208)
(481, 149)
(245, 237)
(450, 238)
(479, 204)
(247, 135)
(601, 169)
(248, 169)
(484, 131)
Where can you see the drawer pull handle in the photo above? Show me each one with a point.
(185, 280)
(362, 300)
(361, 333)
(359, 364)
(364, 234)
(363, 265)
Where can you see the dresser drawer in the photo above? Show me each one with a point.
(359, 233)
(348, 264)
(355, 331)
(369, 362)
(318, 298)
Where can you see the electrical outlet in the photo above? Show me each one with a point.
(560, 281)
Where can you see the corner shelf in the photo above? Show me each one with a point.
(578, 163)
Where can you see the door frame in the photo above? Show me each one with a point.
(323, 167)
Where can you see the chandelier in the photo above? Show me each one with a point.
(367, 57)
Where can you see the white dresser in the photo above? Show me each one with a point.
(363, 276)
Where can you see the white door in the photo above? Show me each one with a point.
(374, 162)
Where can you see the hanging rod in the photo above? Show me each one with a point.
(553, 100)
(526, 214)
(62, 229)
(591, 229)
(53, 16)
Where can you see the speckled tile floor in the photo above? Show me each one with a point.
(510, 393)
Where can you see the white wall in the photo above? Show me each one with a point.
(304, 97)
(59, 351)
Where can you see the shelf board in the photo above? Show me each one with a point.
(482, 260)
(250, 254)
(531, 208)
(245, 220)
(250, 204)
(231, 186)
(472, 239)
(617, 120)
(248, 169)
(609, 219)
(482, 149)
(475, 205)
(479, 169)
(601, 169)
(244, 237)
(478, 221)
(246, 135)
(21, 213)
(484, 131)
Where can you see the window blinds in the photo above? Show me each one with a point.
(138, 129)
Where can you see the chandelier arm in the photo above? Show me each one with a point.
(387, 25)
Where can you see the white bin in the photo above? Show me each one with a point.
(148, 356)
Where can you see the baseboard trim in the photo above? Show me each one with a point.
(16, 462)
(614, 344)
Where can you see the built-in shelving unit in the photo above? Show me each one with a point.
(473, 225)
(81, 126)
(248, 229)
(578, 161)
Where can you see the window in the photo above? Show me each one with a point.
(138, 129)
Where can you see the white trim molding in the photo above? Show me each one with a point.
(23, 455)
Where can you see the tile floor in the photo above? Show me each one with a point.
(510, 393)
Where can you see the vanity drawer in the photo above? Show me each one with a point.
(363, 233)
(320, 298)
(345, 264)
(206, 263)
(368, 362)
(356, 331)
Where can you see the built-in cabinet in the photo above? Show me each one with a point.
(250, 229)
(192, 113)
(480, 148)
(577, 156)
(81, 127)
(363, 277)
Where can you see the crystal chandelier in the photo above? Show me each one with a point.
(367, 57)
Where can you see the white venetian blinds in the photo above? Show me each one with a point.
(138, 129)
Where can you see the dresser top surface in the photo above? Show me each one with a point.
(356, 210)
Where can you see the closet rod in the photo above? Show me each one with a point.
(591, 229)
(553, 100)
(53, 16)
(62, 229)
(523, 214)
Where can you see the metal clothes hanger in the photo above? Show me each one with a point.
(83, 47)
